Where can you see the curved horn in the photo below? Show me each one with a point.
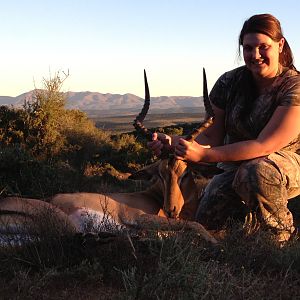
(210, 115)
(138, 122)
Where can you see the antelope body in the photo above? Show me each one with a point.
(124, 208)
(74, 211)
(174, 194)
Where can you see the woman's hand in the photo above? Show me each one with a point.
(159, 141)
(191, 151)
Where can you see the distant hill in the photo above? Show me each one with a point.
(115, 104)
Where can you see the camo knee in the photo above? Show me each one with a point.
(262, 187)
(219, 203)
(258, 176)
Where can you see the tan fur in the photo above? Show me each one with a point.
(24, 212)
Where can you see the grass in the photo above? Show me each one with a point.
(188, 269)
(139, 265)
(123, 265)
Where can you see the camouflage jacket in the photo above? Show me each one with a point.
(246, 116)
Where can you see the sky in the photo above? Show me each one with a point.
(106, 45)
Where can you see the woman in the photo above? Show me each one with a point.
(255, 136)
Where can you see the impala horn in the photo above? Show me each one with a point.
(208, 121)
(210, 115)
(138, 122)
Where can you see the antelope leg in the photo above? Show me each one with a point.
(147, 221)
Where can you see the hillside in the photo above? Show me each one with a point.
(115, 104)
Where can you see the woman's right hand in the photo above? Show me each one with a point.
(159, 141)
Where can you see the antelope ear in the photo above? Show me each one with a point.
(147, 173)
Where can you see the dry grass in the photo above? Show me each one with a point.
(178, 266)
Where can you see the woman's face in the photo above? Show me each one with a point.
(261, 54)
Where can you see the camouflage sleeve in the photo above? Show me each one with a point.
(289, 94)
(218, 93)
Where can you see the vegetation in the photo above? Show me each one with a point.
(46, 149)
(120, 266)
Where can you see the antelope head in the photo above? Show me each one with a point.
(174, 175)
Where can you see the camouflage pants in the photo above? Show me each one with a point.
(257, 191)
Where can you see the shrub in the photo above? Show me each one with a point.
(24, 175)
(45, 115)
(12, 126)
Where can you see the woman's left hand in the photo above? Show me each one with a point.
(191, 151)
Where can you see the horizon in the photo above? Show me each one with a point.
(97, 92)
(105, 46)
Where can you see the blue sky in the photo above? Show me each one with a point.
(105, 45)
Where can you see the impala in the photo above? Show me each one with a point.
(171, 202)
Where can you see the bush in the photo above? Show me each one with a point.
(45, 115)
(24, 175)
(12, 126)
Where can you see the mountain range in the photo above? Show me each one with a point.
(115, 104)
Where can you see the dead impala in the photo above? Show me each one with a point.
(173, 195)
(171, 171)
